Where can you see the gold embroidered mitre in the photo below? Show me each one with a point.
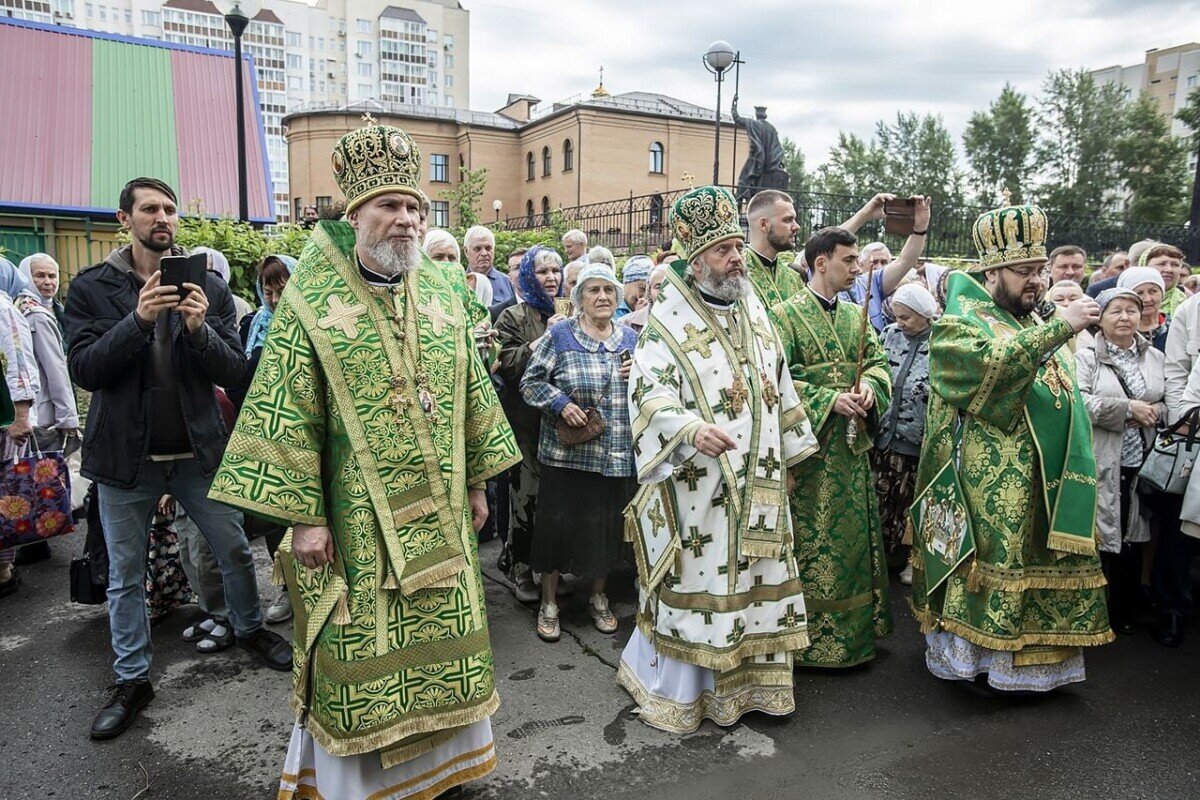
(702, 218)
(1009, 236)
(376, 159)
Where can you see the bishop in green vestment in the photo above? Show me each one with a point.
(835, 511)
(371, 426)
(1008, 445)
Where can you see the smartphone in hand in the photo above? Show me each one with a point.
(178, 270)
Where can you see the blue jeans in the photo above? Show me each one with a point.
(126, 515)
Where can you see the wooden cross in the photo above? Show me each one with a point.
(690, 474)
(738, 395)
(769, 463)
(342, 317)
(438, 318)
(698, 340)
(695, 542)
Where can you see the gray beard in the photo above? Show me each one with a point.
(393, 259)
(728, 289)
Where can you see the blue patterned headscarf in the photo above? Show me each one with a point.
(531, 290)
(257, 335)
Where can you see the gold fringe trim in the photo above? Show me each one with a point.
(341, 609)
(915, 560)
(355, 744)
(1042, 656)
(925, 618)
(410, 749)
(277, 577)
(721, 662)
(759, 550)
(432, 577)
(389, 580)
(1075, 545)
(974, 578)
(1027, 639)
(907, 538)
(979, 580)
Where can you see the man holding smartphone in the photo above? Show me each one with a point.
(151, 357)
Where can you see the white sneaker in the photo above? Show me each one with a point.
(547, 623)
(523, 588)
(280, 610)
(906, 575)
(602, 615)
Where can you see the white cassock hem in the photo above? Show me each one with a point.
(310, 773)
(953, 658)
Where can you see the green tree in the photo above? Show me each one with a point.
(855, 167)
(919, 158)
(998, 144)
(793, 162)
(1152, 163)
(465, 198)
(1190, 116)
(1079, 125)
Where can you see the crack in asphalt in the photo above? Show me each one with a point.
(584, 646)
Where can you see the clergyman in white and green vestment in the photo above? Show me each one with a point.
(716, 425)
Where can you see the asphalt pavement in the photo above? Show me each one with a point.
(219, 725)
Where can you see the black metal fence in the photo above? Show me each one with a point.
(638, 223)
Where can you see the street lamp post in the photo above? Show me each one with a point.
(496, 206)
(719, 57)
(237, 16)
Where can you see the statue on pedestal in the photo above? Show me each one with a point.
(764, 165)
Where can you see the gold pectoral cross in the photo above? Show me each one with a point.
(342, 317)
(738, 395)
(770, 392)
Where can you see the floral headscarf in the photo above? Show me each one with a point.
(527, 281)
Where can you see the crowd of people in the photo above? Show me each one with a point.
(766, 440)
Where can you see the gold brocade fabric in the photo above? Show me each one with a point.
(371, 412)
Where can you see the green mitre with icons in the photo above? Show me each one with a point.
(376, 159)
(1010, 236)
(702, 218)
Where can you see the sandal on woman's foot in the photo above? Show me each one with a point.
(219, 638)
(547, 623)
(198, 629)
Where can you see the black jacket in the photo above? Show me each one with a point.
(109, 354)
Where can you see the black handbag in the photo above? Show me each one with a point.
(89, 572)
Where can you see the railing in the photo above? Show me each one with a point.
(75, 250)
(638, 223)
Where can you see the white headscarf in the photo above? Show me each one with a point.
(26, 269)
(216, 261)
(1134, 277)
(916, 297)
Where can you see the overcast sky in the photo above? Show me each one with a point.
(817, 66)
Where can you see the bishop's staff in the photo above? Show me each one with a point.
(852, 426)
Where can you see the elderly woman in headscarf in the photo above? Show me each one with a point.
(577, 377)
(901, 431)
(1147, 283)
(16, 342)
(1122, 382)
(273, 275)
(57, 415)
(636, 279)
(218, 263)
(41, 272)
(518, 328)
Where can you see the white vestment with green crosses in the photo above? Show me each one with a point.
(718, 585)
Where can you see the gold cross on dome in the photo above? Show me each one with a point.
(689, 179)
(342, 317)
(1006, 194)
(438, 318)
(369, 119)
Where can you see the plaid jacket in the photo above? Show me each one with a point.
(568, 365)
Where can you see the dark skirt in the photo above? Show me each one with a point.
(895, 482)
(580, 521)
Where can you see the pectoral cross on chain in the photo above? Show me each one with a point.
(342, 317)
(438, 318)
(738, 395)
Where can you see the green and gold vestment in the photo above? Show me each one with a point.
(1028, 478)
(371, 412)
(773, 285)
(835, 510)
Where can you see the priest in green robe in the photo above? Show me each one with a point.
(773, 227)
(1006, 578)
(370, 428)
(835, 510)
